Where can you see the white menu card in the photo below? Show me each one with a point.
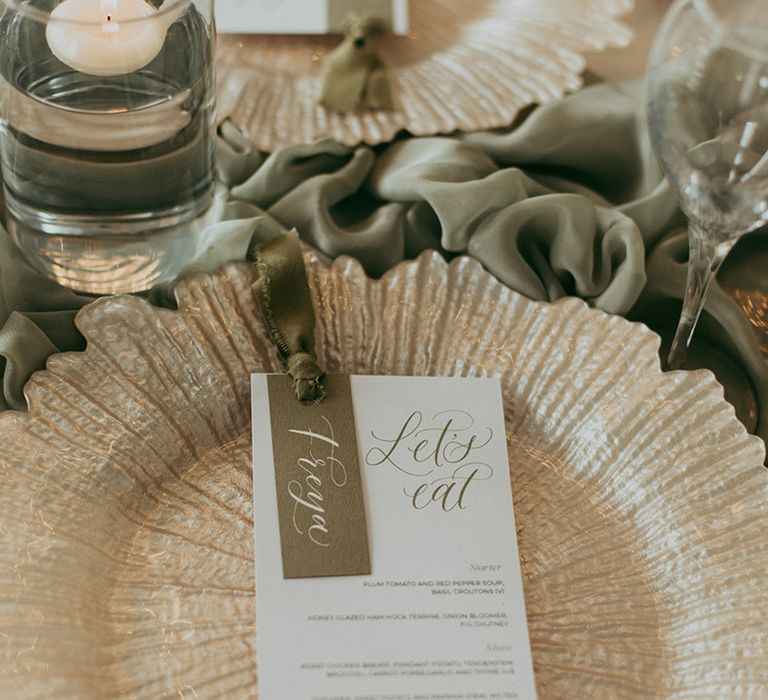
(442, 613)
(304, 16)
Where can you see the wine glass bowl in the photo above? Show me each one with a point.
(708, 118)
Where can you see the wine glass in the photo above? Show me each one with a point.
(708, 116)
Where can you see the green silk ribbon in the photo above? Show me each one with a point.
(286, 304)
(355, 76)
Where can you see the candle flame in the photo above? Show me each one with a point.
(108, 7)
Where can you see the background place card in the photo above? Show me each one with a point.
(442, 613)
(304, 16)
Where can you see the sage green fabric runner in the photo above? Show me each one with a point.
(36, 320)
(572, 202)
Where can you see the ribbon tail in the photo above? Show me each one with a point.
(378, 93)
(283, 293)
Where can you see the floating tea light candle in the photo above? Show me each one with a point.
(107, 110)
(108, 37)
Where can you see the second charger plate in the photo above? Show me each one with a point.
(464, 66)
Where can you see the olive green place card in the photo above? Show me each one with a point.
(387, 568)
(317, 475)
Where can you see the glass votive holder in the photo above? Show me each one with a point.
(107, 139)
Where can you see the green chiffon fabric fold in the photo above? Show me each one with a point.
(571, 202)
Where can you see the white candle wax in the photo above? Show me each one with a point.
(108, 37)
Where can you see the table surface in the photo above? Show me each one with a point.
(616, 64)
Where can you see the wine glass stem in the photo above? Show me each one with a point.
(704, 261)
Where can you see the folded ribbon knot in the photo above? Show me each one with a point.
(356, 77)
(307, 375)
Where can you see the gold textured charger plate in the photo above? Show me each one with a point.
(126, 559)
(465, 65)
